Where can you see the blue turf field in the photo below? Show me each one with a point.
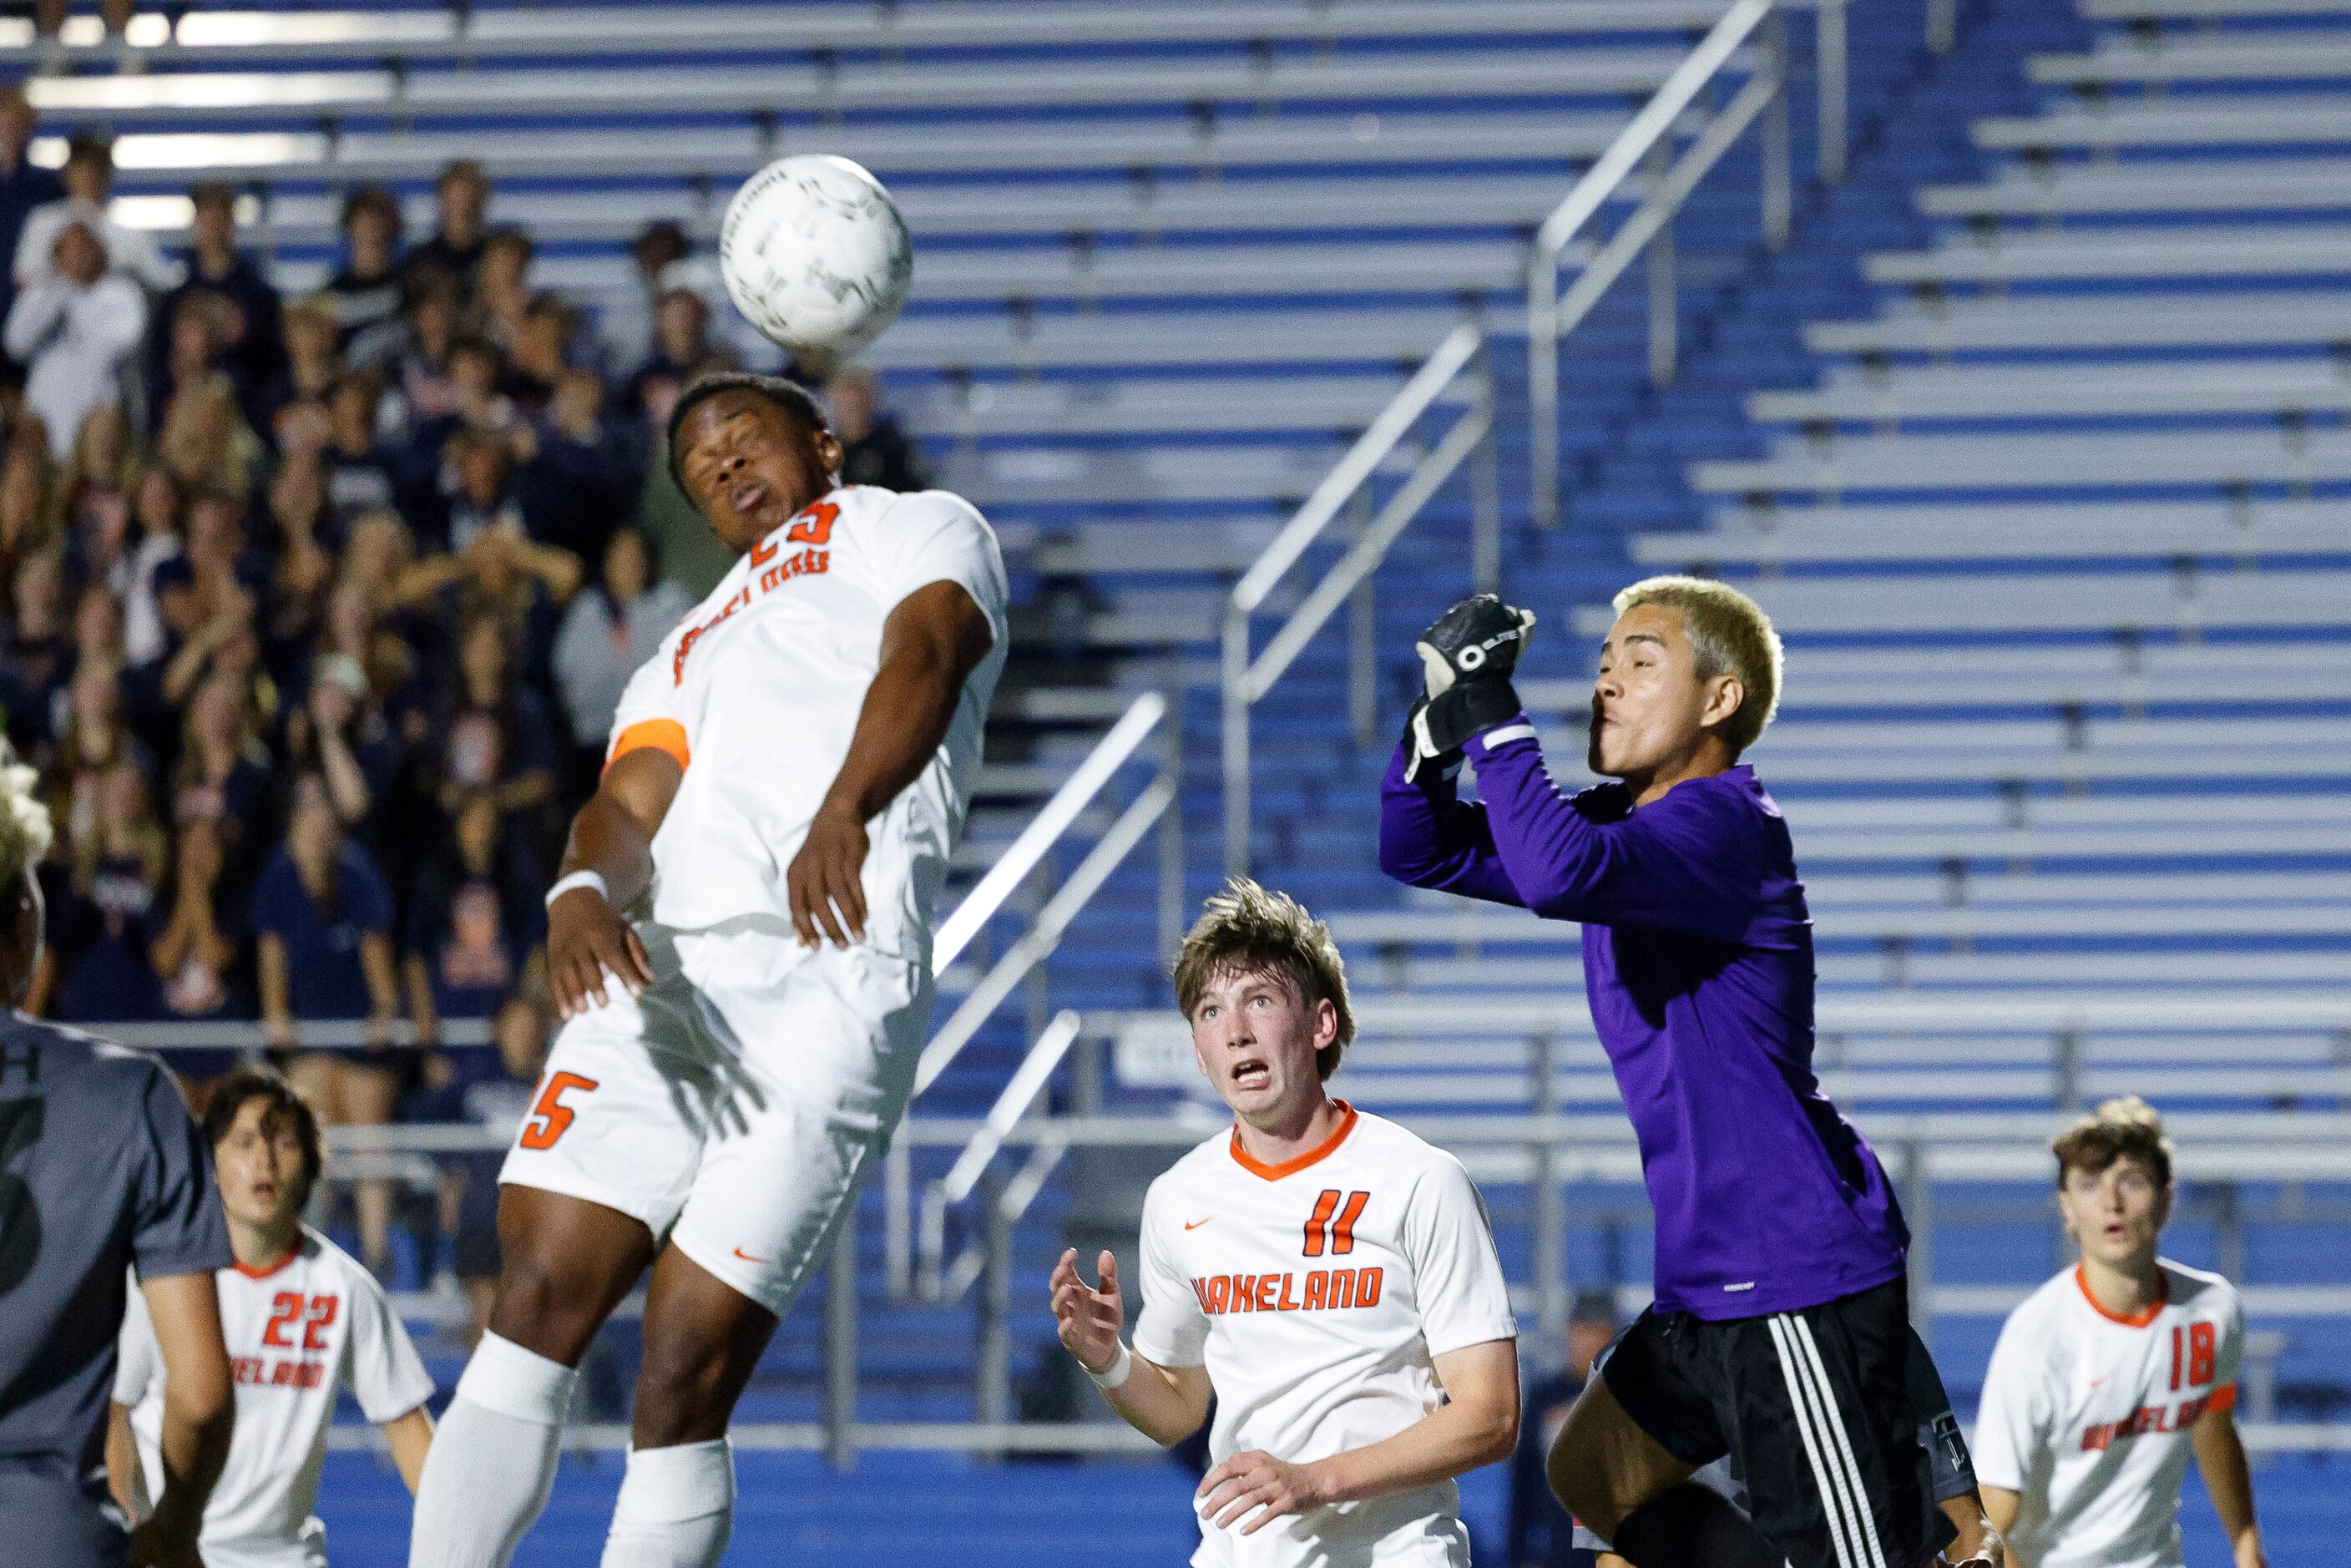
(903, 1509)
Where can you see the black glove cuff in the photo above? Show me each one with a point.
(1467, 707)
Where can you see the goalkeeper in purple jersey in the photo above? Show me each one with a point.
(1779, 1331)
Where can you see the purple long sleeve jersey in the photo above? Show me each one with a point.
(1697, 959)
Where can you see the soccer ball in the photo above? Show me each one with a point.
(815, 255)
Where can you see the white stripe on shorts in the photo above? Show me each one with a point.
(1802, 1331)
(1832, 1499)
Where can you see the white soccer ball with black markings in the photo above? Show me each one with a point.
(816, 256)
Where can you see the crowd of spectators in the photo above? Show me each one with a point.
(318, 607)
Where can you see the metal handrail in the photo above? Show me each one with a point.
(1246, 680)
(938, 1282)
(1647, 143)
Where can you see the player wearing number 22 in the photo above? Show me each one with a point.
(1327, 1277)
(740, 944)
(302, 1319)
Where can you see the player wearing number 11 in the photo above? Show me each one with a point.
(1327, 1277)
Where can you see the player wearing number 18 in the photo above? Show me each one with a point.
(740, 944)
(1327, 1277)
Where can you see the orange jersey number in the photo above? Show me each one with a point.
(550, 1116)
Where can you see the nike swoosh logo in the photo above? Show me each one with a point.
(748, 1259)
(1195, 1224)
(2099, 1382)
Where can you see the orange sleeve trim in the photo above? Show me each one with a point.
(660, 734)
(2221, 1398)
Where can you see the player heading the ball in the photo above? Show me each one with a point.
(2108, 1378)
(740, 944)
(1329, 1279)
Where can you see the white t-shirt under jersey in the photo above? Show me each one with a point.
(2087, 1416)
(758, 692)
(295, 1333)
(1317, 1293)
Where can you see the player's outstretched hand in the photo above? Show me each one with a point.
(823, 882)
(1256, 1482)
(1089, 1320)
(587, 942)
(1466, 657)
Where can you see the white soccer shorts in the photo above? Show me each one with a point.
(733, 1106)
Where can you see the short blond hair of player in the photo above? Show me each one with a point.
(2110, 1376)
(1327, 1277)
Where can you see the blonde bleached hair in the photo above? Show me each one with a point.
(1731, 636)
(2126, 1128)
(1247, 930)
(25, 828)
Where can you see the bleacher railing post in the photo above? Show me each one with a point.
(1237, 741)
(1779, 158)
(1831, 67)
(841, 1347)
(1171, 824)
(1363, 632)
(1663, 349)
(1550, 1210)
(1918, 1208)
(992, 1358)
(1942, 25)
(1485, 479)
(897, 1222)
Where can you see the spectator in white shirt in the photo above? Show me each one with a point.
(73, 330)
(89, 174)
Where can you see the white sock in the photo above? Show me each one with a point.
(676, 1508)
(492, 1462)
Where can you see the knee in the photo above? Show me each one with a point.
(544, 1302)
(682, 1386)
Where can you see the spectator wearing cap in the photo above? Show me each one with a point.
(365, 294)
(874, 449)
(462, 196)
(607, 634)
(322, 918)
(88, 176)
(252, 339)
(75, 326)
(1542, 1532)
(24, 185)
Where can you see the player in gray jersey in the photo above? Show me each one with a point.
(102, 1171)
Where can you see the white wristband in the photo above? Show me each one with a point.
(1115, 1373)
(579, 879)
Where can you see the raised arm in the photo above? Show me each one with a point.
(1429, 838)
(1477, 1425)
(930, 645)
(1166, 1404)
(1690, 861)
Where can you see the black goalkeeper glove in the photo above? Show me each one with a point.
(1468, 655)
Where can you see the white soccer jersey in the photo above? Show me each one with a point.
(295, 1333)
(758, 692)
(2087, 1416)
(1317, 1292)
